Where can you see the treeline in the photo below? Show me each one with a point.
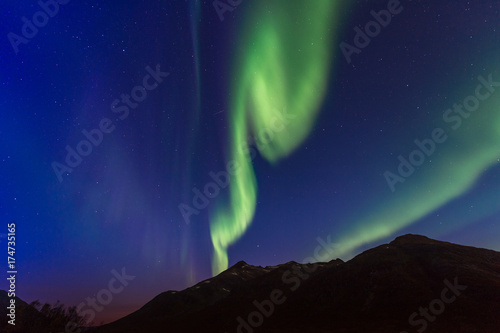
(46, 318)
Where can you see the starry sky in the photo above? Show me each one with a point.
(175, 138)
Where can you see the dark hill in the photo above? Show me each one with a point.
(27, 318)
(377, 291)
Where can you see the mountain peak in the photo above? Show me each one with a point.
(412, 239)
(239, 265)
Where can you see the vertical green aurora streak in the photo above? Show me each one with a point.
(284, 62)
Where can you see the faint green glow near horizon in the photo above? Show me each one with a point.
(457, 164)
(286, 54)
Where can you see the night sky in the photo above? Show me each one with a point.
(116, 116)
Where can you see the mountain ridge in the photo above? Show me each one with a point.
(376, 291)
(395, 287)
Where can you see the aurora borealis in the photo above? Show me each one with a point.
(261, 89)
(287, 68)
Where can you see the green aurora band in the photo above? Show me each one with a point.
(284, 63)
(470, 150)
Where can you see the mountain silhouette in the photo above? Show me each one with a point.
(412, 284)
